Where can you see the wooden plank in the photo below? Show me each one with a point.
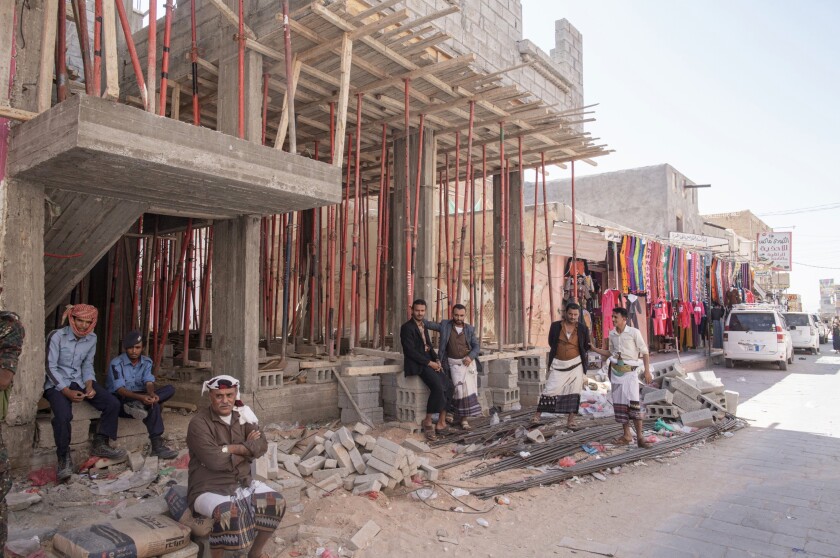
(421, 21)
(16, 114)
(390, 355)
(232, 18)
(375, 9)
(47, 62)
(343, 97)
(372, 370)
(305, 364)
(7, 33)
(109, 47)
(283, 127)
(175, 102)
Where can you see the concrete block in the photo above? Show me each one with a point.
(533, 375)
(324, 487)
(430, 472)
(361, 428)
(320, 375)
(681, 384)
(698, 419)
(131, 427)
(410, 382)
(330, 464)
(376, 415)
(363, 400)
(685, 402)
(380, 466)
(381, 477)
(261, 466)
(136, 461)
(363, 536)
(412, 397)
(79, 432)
(372, 486)
(504, 366)
(731, 401)
(410, 414)
(362, 384)
(415, 445)
(503, 381)
(504, 396)
(388, 457)
(659, 396)
(356, 458)
(323, 474)
(350, 482)
(714, 402)
(317, 449)
(345, 438)
(536, 436)
(532, 361)
(339, 453)
(665, 411)
(390, 446)
(309, 466)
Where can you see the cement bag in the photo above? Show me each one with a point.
(138, 537)
(176, 499)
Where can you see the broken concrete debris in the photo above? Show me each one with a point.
(697, 399)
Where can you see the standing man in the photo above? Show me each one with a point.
(11, 342)
(627, 347)
(223, 439)
(70, 380)
(569, 341)
(421, 360)
(458, 349)
(130, 379)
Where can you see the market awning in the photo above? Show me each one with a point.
(591, 244)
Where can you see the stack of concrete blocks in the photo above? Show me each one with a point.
(365, 392)
(503, 381)
(388, 387)
(80, 428)
(321, 375)
(412, 397)
(696, 398)
(353, 460)
(532, 378)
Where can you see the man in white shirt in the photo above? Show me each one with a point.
(627, 352)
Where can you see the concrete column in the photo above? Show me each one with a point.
(424, 276)
(236, 250)
(22, 283)
(513, 275)
(236, 273)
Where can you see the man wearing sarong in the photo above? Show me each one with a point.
(569, 341)
(458, 348)
(627, 353)
(223, 439)
(70, 380)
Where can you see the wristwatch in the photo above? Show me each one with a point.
(225, 449)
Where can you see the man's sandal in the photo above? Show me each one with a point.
(429, 432)
(621, 441)
(465, 425)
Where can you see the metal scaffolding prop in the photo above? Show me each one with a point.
(408, 82)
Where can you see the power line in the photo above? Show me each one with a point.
(815, 266)
(811, 209)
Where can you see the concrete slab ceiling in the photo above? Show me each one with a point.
(95, 146)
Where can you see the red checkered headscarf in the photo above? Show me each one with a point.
(83, 312)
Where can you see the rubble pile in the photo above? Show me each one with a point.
(349, 459)
(697, 399)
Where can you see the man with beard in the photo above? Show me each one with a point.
(458, 348)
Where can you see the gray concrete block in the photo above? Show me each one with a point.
(363, 536)
(339, 453)
(665, 411)
(504, 366)
(685, 402)
(372, 486)
(681, 384)
(376, 415)
(503, 381)
(361, 428)
(659, 396)
(390, 446)
(356, 458)
(309, 466)
(388, 457)
(323, 474)
(430, 472)
(731, 401)
(381, 477)
(504, 396)
(698, 419)
(345, 438)
(416, 446)
(363, 400)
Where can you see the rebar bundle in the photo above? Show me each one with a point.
(630, 456)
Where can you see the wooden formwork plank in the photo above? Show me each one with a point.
(283, 127)
(344, 94)
(109, 48)
(47, 62)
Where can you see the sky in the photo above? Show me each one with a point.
(739, 94)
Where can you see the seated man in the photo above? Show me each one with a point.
(223, 440)
(70, 380)
(130, 379)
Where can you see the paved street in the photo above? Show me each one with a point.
(775, 487)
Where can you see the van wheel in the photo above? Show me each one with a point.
(790, 360)
(817, 351)
(729, 364)
(782, 365)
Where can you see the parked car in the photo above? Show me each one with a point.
(822, 328)
(757, 333)
(803, 331)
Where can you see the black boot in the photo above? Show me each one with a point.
(65, 468)
(160, 450)
(102, 449)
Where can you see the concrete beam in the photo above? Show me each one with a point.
(513, 275)
(94, 146)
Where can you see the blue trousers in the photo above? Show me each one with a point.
(153, 422)
(62, 410)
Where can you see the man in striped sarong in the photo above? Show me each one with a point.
(627, 353)
(569, 341)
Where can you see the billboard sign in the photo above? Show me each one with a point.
(774, 249)
(696, 240)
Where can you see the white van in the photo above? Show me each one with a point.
(803, 331)
(822, 328)
(756, 333)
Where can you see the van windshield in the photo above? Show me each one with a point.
(798, 320)
(752, 321)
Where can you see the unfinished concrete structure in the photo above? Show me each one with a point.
(189, 211)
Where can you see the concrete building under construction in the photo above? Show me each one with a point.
(261, 198)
